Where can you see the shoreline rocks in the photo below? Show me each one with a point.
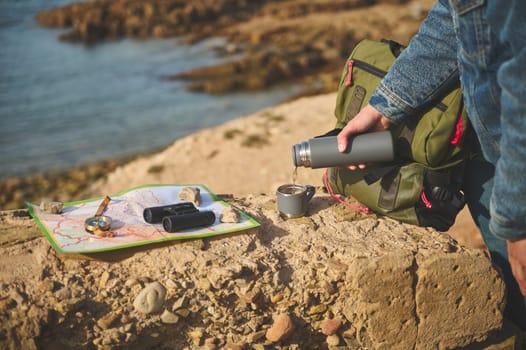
(63, 185)
(281, 41)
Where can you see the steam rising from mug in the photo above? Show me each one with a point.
(322, 152)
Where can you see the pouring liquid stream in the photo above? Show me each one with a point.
(294, 175)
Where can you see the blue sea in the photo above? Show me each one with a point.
(68, 104)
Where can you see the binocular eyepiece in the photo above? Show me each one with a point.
(177, 217)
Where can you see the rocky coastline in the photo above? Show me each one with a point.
(279, 41)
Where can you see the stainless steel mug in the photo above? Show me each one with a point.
(293, 199)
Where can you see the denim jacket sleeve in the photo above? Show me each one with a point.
(424, 71)
(430, 64)
(508, 201)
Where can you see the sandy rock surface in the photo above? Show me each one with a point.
(383, 283)
(249, 155)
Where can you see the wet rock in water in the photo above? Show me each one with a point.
(192, 195)
(282, 328)
(151, 299)
(51, 207)
(231, 215)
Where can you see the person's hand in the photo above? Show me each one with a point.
(517, 258)
(368, 119)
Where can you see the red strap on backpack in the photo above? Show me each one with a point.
(349, 73)
(362, 209)
(459, 130)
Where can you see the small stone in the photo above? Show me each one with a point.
(150, 299)
(330, 326)
(169, 318)
(282, 328)
(276, 298)
(115, 336)
(333, 340)
(230, 215)
(131, 282)
(104, 279)
(51, 207)
(205, 284)
(130, 338)
(192, 195)
(180, 303)
(125, 319)
(184, 312)
(62, 307)
(317, 309)
(106, 321)
(196, 336)
(171, 284)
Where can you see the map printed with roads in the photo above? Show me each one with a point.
(67, 234)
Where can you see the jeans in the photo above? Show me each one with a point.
(478, 187)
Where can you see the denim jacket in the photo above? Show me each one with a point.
(482, 43)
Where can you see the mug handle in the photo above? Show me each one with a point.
(311, 190)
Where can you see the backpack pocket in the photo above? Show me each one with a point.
(411, 193)
(363, 71)
(421, 186)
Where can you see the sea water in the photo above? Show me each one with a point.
(67, 104)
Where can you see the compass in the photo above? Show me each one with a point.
(99, 222)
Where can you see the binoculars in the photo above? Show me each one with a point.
(177, 217)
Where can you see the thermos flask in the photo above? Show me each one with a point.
(322, 152)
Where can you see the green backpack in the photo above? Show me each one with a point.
(423, 186)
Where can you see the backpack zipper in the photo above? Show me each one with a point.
(380, 73)
(369, 68)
